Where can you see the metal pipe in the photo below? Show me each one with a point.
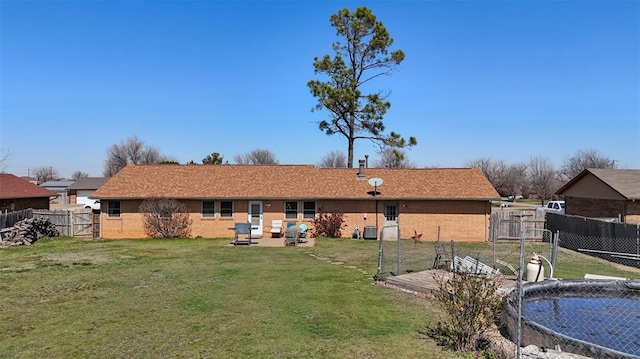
(605, 252)
(554, 248)
(520, 295)
(550, 266)
(399, 255)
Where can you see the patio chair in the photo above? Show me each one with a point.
(291, 236)
(443, 259)
(303, 230)
(276, 228)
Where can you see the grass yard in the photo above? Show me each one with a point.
(199, 298)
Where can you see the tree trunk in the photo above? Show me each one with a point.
(350, 140)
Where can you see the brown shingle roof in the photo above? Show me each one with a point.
(624, 181)
(16, 187)
(292, 181)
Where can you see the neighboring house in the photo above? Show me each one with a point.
(604, 193)
(30, 179)
(217, 196)
(17, 194)
(60, 187)
(81, 189)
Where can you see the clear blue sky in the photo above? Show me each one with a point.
(502, 79)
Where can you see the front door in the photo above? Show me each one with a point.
(390, 230)
(255, 218)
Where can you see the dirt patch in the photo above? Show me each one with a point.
(71, 258)
(24, 267)
(151, 254)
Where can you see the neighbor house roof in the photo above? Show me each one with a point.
(30, 179)
(293, 181)
(16, 187)
(624, 181)
(56, 184)
(88, 183)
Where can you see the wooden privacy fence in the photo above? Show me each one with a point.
(70, 223)
(8, 219)
(508, 224)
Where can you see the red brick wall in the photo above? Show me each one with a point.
(633, 212)
(458, 220)
(595, 208)
(25, 203)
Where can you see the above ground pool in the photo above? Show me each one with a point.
(598, 318)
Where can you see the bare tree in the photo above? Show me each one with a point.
(4, 157)
(494, 170)
(333, 159)
(256, 157)
(131, 151)
(514, 179)
(581, 160)
(542, 178)
(213, 159)
(45, 173)
(165, 218)
(507, 179)
(78, 175)
(393, 157)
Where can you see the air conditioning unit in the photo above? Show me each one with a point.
(370, 232)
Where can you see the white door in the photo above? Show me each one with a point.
(255, 218)
(390, 230)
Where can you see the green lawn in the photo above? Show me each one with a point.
(199, 298)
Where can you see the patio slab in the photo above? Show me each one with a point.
(277, 242)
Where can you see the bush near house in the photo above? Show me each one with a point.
(328, 224)
(165, 218)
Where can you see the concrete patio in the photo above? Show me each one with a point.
(276, 242)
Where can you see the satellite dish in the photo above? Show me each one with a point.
(375, 181)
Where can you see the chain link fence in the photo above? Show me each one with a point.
(625, 250)
(594, 315)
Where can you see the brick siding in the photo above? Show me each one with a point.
(629, 211)
(25, 203)
(458, 220)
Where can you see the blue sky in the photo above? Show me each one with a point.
(502, 79)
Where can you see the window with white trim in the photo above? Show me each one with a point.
(291, 210)
(309, 210)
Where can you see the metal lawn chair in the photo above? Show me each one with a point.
(291, 236)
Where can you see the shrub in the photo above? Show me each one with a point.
(165, 218)
(328, 224)
(472, 305)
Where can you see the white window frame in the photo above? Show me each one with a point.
(305, 210)
(288, 211)
(211, 212)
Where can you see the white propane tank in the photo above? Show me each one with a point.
(535, 265)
